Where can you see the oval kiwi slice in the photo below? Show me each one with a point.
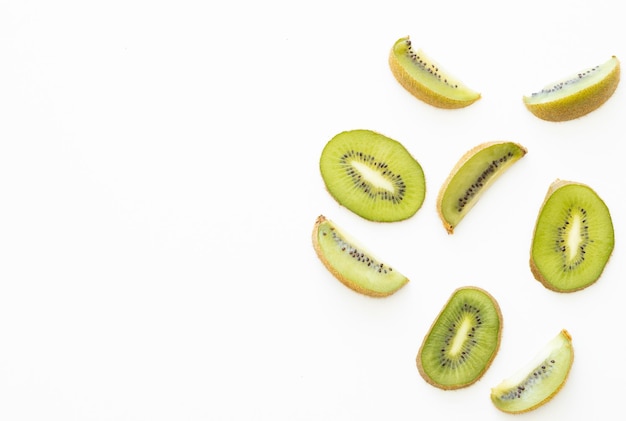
(472, 175)
(426, 80)
(373, 176)
(539, 381)
(352, 264)
(573, 237)
(576, 95)
(463, 340)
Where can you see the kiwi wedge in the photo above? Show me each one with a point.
(576, 95)
(573, 237)
(426, 80)
(462, 341)
(472, 175)
(539, 381)
(352, 264)
(373, 175)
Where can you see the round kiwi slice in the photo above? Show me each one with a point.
(472, 175)
(462, 341)
(573, 237)
(352, 264)
(426, 80)
(373, 176)
(576, 95)
(539, 381)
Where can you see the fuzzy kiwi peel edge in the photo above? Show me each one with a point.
(426, 80)
(470, 178)
(353, 264)
(576, 95)
(539, 381)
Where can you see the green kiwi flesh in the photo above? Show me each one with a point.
(353, 264)
(576, 95)
(471, 177)
(372, 175)
(462, 341)
(573, 237)
(426, 80)
(539, 381)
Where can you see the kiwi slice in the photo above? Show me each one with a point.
(352, 264)
(426, 80)
(462, 341)
(472, 175)
(576, 95)
(539, 381)
(373, 175)
(573, 237)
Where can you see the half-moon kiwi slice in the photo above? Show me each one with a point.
(426, 80)
(539, 381)
(373, 175)
(353, 264)
(463, 340)
(573, 237)
(576, 95)
(472, 175)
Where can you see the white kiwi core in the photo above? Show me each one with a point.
(574, 239)
(373, 177)
(460, 337)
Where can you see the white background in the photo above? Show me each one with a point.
(159, 183)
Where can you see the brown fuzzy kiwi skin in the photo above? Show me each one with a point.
(420, 91)
(539, 277)
(418, 359)
(347, 282)
(462, 161)
(579, 104)
(556, 184)
(555, 392)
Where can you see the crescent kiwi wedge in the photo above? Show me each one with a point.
(373, 175)
(352, 264)
(471, 177)
(539, 381)
(426, 80)
(573, 237)
(462, 341)
(574, 96)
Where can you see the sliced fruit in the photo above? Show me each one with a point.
(352, 264)
(539, 381)
(473, 174)
(576, 95)
(426, 79)
(573, 237)
(463, 340)
(373, 176)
